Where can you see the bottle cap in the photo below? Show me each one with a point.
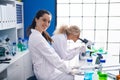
(14, 43)
(102, 61)
(89, 60)
(23, 40)
(19, 38)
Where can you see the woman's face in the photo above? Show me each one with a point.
(43, 22)
(73, 37)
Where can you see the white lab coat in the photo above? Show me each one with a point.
(60, 46)
(47, 64)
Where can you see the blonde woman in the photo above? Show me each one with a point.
(60, 38)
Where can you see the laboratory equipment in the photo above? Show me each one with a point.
(5, 46)
(87, 42)
(102, 61)
(102, 74)
(20, 45)
(89, 61)
(25, 44)
(99, 57)
(86, 78)
(6, 60)
(88, 72)
(14, 48)
(95, 75)
(96, 52)
(2, 51)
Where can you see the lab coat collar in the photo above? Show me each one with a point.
(35, 31)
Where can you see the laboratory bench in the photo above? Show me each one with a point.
(78, 77)
(111, 67)
(18, 68)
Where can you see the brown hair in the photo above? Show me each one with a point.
(47, 36)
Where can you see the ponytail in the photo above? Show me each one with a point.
(47, 36)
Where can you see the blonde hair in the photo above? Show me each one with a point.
(61, 30)
(64, 29)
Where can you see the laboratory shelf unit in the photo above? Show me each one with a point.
(11, 20)
(12, 27)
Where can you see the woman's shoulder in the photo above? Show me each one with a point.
(58, 36)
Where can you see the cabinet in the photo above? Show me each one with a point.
(16, 70)
(21, 68)
(28, 69)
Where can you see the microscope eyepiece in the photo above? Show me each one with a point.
(84, 40)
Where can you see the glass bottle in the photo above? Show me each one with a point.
(102, 75)
(95, 75)
(14, 48)
(25, 44)
(20, 45)
(89, 72)
(102, 61)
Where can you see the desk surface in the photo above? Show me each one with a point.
(4, 66)
(78, 77)
(75, 62)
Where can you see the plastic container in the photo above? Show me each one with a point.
(14, 48)
(25, 44)
(86, 78)
(89, 61)
(102, 75)
(99, 56)
(102, 61)
(88, 72)
(95, 75)
(88, 75)
(20, 45)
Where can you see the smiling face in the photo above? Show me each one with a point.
(43, 22)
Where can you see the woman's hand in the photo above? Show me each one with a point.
(82, 49)
(75, 72)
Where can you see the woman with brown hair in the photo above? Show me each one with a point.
(47, 64)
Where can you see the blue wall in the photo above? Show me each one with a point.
(32, 6)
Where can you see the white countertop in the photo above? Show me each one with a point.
(18, 55)
(74, 62)
(78, 77)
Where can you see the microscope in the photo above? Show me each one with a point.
(91, 50)
(88, 44)
(4, 50)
